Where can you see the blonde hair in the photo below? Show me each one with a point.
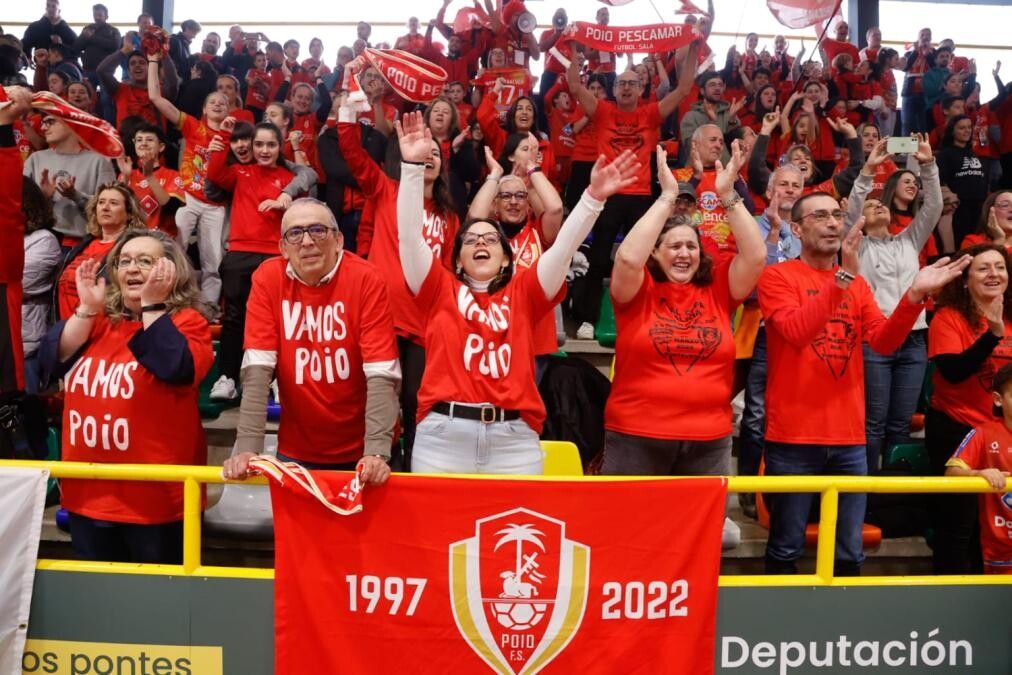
(184, 292)
(134, 219)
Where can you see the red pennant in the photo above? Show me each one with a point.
(411, 77)
(92, 131)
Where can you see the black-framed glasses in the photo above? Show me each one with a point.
(487, 238)
(511, 196)
(143, 262)
(47, 122)
(822, 215)
(316, 232)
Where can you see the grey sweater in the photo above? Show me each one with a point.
(89, 168)
(42, 257)
(889, 265)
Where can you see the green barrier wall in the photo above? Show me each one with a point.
(126, 624)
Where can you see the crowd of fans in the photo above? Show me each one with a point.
(789, 224)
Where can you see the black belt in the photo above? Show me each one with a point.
(486, 414)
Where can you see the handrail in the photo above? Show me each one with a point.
(830, 488)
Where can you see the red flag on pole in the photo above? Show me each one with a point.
(802, 13)
(512, 576)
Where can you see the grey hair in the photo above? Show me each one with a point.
(310, 201)
(789, 168)
(697, 135)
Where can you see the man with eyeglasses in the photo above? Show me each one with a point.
(622, 125)
(69, 174)
(318, 319)
(817, 315)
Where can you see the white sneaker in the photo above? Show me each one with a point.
(585, 331)
(224, 389)
(731, 535)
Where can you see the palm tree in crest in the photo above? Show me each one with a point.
(519, 534)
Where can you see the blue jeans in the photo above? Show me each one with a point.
(789, 512)
(892, 385)
(753, 417)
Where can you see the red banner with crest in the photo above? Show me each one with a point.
(458, 575)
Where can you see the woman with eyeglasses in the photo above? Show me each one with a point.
(892, 382)
(258, 202)
(675, 351)
(438, 228)
(111, 212)
(995, 224)
(968, 340)
(132, 355)
(478, 407)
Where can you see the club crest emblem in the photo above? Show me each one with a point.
(518, 589)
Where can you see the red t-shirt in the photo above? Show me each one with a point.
(674, 354)
(968, 402)
(527, 249)
(66, 287)
(814, 332)
(714, 230)
(131, 101)
(438, 230)
(518, 82)
(258, 89)
(193, 166)
(585, 149)
(638, 130)
(480, 348)
(115, 411)
(250, 184)
(565, 48)
(172, 183)
(309, 124)
(983, 118)
(882, 172)
(324, 339)
(989, 446)
(242, 115)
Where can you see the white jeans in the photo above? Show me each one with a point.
(209, 221)
(455, 445)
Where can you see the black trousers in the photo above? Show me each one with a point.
(956, 541)
(236, 272)
(579, 179)
(620, 213)
(126, 542)
(412, 368)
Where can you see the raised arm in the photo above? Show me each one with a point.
(481, 205)
(583, 96)
(164, 106)
(686, 74)
(750, 260)
(635, 250)
(107, 68)
(551, 203)
(605, 180)
(415, 141)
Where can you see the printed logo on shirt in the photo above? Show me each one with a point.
(627, 137)
(98, 378)
(434, 232)
(835, 343)
(1001, 355)
(684, 339)
(493, 357)
(1006, 500)
(325, 327)
(149, 204)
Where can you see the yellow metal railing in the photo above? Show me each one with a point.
(830, 487)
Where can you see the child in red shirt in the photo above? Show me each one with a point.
(987, 452)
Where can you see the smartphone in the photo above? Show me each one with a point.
(901, 145)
